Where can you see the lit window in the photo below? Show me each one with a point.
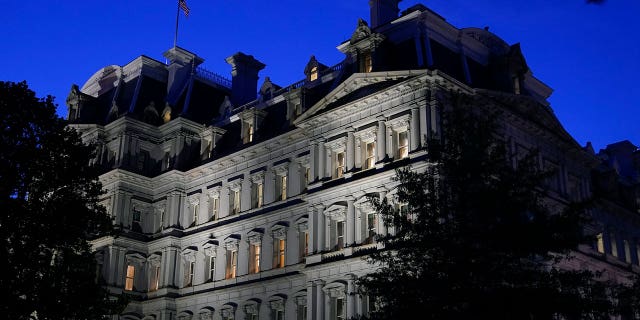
(249, 134)
(339, 235)
(367, 63)
(403, 145)
(234, 202)
(215, 205)
(600, 242)
(307, 175)
(314, 74)
(283, 187)
(339, 165)
(156, 279)
(278, 253)
(370, 157)
(232, 264)
(254, 258)
(131, 271)
(212, 268)
(306, 243)
(191, 266)
(257, 195)
(303, 244)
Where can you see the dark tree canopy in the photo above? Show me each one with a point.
(49, 200)
(476, 240)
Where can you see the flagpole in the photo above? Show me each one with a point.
(175, 38)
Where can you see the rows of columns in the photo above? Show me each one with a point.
(422, 123)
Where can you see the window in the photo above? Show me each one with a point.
(142, 159)
(314, 74)
(339, 235)
(167, 161)
(196, 208)
(212, 268)
(627, 251)
(254, 258)
(249, 136)
(191, 266)
(304, 244)
(161, 220)
(278, 253)
(282, 187)
(156, 279)
(307, 175)
(403, 145)
(371, 227)
(257, 195)
(516, 85)
(131, 272)
(135, 217)
(278, 314)
(298, 109)
(638, 253)
(339, 165)
(370, 155)
(302, 312)
(232, 264)
(215, 207)
(614, 244)
(234, 202)
(340, 309)
(366, 64)
(600, 243)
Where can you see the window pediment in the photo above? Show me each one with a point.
(231, 242)
(336, 212)
(255, 236)
(279, 231)
(209, 248)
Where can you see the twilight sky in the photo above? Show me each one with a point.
(589, 54)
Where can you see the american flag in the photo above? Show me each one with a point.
(183, 5)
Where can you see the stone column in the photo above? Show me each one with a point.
(350, 150)
(311, 229)
(350, 223)
(414, 130)
(311, 308)
(381, 143)
(320, 228)
(320, 304)
(321, 160)
(313, 161)
(424, 134)
(351, 295)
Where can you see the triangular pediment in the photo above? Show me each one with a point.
(357, 87)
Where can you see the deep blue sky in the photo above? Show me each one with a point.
(589, 54)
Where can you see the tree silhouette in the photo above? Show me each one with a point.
(476, 240)
(50, 211)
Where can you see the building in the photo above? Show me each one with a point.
(244, 202)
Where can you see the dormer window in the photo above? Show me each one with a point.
(366, 63)
(251, 120)
(314, 74)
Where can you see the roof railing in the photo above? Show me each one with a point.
(213, 77)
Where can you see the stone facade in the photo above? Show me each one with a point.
(237, 206)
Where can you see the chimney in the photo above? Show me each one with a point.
(383, 11)
(181, 64)
(244, 81)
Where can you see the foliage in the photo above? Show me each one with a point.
(476, 240)
(49, 200)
